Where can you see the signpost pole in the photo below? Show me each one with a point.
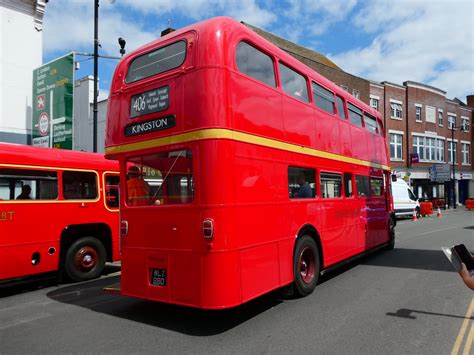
(96, 57)
(453, 180)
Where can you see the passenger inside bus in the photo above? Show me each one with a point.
(138, 190)
(25, 193)
(304, 191)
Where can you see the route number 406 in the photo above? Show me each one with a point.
(139, 103)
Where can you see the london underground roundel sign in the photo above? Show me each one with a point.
(43, 123)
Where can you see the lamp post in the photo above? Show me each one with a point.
(453, 159)
(96, 64)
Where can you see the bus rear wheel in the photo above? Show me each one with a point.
(85, 259)
(305, 265)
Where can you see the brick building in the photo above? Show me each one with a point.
(418, 120)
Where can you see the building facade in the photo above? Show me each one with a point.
(21, 41)
(429, 137)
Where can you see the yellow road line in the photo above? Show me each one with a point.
(462, 331)
(470, 338)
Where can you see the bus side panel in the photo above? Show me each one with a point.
(327, 132)
(359, 142)
(249, 115)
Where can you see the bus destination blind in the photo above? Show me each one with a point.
(149, 101)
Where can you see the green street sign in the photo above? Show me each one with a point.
(53, 85)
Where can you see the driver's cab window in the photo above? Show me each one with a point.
(164, 178)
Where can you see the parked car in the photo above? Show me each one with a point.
(404, 200)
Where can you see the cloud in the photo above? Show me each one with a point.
(429, 42)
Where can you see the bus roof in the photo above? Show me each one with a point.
(60, 158)
(222, 24)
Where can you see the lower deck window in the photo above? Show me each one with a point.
(164, 178)
(362, 186)
(331, 185)
(301, 182)
(23, 184)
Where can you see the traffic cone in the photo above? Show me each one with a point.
(413, 217)
(438, 214)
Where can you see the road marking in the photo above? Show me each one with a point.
(462, 331)
(467, 347)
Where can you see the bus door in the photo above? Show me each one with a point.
(161, 235)
(28, 207)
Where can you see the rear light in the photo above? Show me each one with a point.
(208, 228)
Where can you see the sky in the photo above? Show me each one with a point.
(427, 41)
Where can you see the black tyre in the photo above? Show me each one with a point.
(85, 259)
(305, 265)
(418, 213)
(391, 233)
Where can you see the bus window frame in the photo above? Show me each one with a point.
(265, 52)
(307, 79)
(104, 186)
(166, 44)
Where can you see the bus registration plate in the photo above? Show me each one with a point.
(158, 277)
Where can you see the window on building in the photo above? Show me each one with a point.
(452, 151)
(301, 182)
(440, 150)
(345, 88)
(362, 186)
(430, 148)
(418, 113)
(396, 145)
(323, 98)
(355, 114)
(466, 148)
(451, 122)
(78, 185)
(256, 64)
(293, 83)
(396, 110)
(356, 93)
(341, 112)
(331, 185)
(374, 103)
(465, 124)
(19, 184)
(419, 146)
(440, 118)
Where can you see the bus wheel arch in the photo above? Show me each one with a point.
(84, 249)
(307, 261)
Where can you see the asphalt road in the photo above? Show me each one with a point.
(408, 300)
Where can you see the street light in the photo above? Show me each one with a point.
(96, 63)
(122, 43)
(453, 159)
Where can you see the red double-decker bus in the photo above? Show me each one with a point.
(58, 211)
(256, 172)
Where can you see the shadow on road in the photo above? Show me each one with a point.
(407, 313)
(41, 281)
(432, 260)
(185, 320)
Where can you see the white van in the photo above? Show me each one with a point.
(404, 200)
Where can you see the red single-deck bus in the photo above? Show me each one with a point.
(58, 211)
(261, 173)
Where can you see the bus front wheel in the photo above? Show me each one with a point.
(305, 265)
(85, 259)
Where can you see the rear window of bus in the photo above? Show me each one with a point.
(157, 62)
(22, 184)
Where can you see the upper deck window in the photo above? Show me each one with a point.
(293, 84)
(256, 64)
(341, 112)
(156, 62)
(370, 123)
(323, 98)
(355, 115)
